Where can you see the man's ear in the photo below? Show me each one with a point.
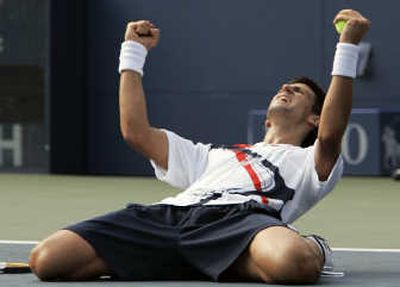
(267, 124)
(313, 120)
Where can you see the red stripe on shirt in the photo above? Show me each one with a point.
(241, 156)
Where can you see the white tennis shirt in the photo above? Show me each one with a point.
(282, 176)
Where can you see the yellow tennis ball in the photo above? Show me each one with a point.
(340, 26)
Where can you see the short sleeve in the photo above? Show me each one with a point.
(186, 161)
(321, 188)
(310, 189)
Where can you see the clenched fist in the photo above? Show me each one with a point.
(356, 26)
(143, 32)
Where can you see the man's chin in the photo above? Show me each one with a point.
(280, 109)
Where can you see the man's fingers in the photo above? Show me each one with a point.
(155, 32)
(138, 28)
(139, 23)
(144, 32)
(356, 26)
(347, 14)
(155, 36)
(142, 28)
(344, 18)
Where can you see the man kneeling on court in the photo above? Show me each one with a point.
(231, 220)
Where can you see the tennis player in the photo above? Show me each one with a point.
(231, 221)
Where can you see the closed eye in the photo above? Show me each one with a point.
(298, 90)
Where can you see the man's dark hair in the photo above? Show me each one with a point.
(316, 109)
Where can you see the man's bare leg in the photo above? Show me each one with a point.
(279, 255)
(66, 256)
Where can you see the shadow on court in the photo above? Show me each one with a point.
(362, 268)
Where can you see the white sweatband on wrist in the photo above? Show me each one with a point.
(132, 57)
(345, 61)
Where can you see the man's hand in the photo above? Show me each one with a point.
(143, 32)
(356, 26)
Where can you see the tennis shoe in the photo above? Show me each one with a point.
(325, 249)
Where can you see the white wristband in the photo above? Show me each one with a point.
(345, 61)
(132, 57)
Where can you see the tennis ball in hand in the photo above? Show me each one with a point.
(340, 26)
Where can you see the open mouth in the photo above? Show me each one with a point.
(283, 99)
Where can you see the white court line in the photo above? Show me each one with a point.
(367, 250)
(18, 242)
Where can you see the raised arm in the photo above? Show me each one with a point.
(337, 106)
(134, 123)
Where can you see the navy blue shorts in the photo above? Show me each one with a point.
(165, 242)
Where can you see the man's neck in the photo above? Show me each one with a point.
(284, 135)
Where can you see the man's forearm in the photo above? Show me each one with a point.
(336, 112)
(133, 112)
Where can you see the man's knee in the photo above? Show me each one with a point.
(287, 259)
(296, 263)
(65, 256)
(41, 262)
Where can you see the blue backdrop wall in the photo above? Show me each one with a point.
(217, 60)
